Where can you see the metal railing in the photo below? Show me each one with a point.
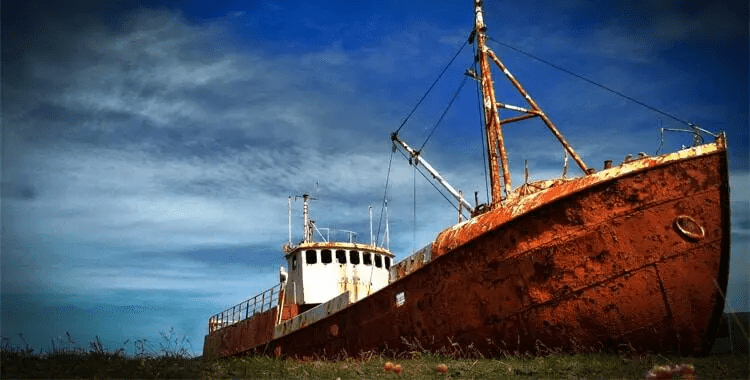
(262, 302)
(338, 235)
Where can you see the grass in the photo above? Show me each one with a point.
(171, 360)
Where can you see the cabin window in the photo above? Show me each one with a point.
(354, 257)
(341, 256)
(387, 262)
(325, 256)
(294, 261)
(367, 258)
(378, 261)
(311, 256)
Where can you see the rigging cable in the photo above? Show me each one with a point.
(385, 192)
(455, 95)
(482, 123)
(591, 81)
(430, 89)
(385, 195)
(430, 182)
(414, 211)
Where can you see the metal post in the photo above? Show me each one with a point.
(419, 160)
(539, 111)
(306, 218)
(270, 300)
(460, 206)
(369, 212)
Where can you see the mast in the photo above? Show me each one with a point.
(369, 213)
(494, 133)
(290, 220)
(307, 231)
(498, 158)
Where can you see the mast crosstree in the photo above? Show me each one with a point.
(498, 157)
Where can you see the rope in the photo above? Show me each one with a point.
(431, 183)
(430, 89)
(481, 132)
(385, 194)
(590, 81)
(455, 95)
(414, 209)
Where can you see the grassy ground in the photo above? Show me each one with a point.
(171, 359)
(92, 364)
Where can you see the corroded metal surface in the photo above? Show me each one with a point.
(411, 263)
(311, 316)
(241, 336)
(637, 254)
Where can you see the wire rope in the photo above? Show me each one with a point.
(590, 81)
(431, 87)
(455, 95)
(385, 195)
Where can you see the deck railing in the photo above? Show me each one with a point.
(262, 302)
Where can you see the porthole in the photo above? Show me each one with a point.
(689, 228)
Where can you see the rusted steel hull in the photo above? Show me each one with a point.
(242, 336)
(635, 255)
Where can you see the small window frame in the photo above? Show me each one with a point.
(367, 258)
(311, 257)
(341, 256)
(354, 257)
(325, 256)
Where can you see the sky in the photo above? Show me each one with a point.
(149, 148)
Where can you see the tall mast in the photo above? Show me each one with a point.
(497, 154)
(494, 132)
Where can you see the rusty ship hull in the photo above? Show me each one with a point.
(634, 255)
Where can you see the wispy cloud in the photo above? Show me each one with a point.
(154, 153)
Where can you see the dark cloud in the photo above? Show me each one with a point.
(18, 191)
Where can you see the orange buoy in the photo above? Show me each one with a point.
(442, 368)
(397, 369)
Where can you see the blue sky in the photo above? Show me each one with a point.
(149, 148)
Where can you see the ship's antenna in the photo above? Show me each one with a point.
(307, 224)
(369, 212)
(290, 221)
